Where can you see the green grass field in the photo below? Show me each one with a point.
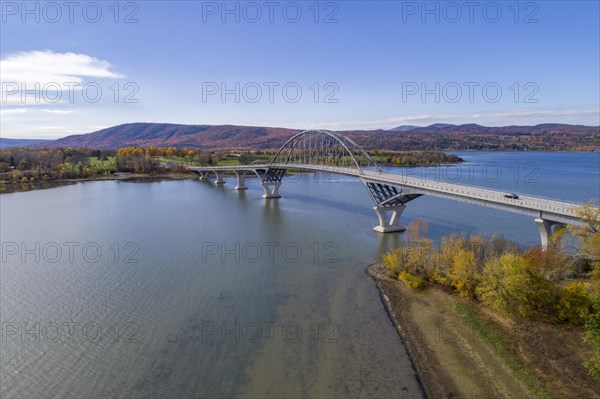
(108, 164)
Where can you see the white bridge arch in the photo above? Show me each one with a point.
(323, 147)
(326, 151)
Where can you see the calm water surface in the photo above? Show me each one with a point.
(185, 289)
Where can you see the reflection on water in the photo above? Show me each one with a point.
(21, 187)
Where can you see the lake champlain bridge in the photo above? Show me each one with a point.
(325, 151)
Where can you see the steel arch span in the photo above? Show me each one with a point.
(326, 151)
(326, 148)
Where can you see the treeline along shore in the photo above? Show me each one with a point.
(25, 168)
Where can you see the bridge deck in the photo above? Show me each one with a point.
(552, 210)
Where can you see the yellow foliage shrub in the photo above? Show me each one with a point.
(411, 280)
(574, 304)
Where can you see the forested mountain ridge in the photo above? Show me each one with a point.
(545, 137)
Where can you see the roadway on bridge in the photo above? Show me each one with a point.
(552, 210)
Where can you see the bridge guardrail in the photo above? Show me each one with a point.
(558, 207)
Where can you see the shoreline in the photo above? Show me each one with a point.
(18, 187)
(10, 188)
(461, 349)
(432, 377)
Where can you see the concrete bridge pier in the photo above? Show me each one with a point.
(389, 224)
(271, 179)
(220, 177)
(546, 230)
(241, 180)
(271, 189)
(203, 176)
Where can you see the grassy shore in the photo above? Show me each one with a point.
(462, 350)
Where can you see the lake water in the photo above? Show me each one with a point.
(182, 289)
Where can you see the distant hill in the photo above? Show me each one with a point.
(440, 125)
(172, 135)
(403, 128)
(478, 129)
(406, 128)
(8, 143)
(545, 137)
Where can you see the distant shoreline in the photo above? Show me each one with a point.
(9, 188)
(12, 187)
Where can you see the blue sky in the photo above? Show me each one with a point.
(337, 65)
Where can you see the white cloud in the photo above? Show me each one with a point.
(47, 71)
(49, 67)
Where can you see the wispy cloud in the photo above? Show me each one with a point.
(58, 111)
(17, 111)
(13, 111)
(589, 116)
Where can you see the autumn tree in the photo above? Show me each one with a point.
(592, 336)
(589, 239)
(574, 303)
(510, 287)
(464, 273)
(245, 158)
(413, 257)
(552, 262)
(24, 165)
